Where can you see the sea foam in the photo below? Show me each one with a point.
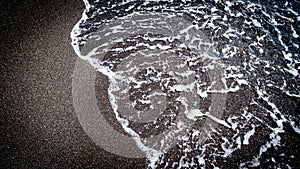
(198, 83)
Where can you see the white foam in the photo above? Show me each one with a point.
(191, 90)
(248, 135)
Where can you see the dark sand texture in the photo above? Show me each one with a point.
(38, 126)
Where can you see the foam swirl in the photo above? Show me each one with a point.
(197, 84)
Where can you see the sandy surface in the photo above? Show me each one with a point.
(38, 124)
(39, 128)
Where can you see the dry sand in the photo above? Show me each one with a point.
(39, 128)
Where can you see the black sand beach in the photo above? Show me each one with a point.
(38, 124)
(39, 128)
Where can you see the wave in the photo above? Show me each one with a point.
(199, 83)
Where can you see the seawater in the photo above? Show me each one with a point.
(199, 84)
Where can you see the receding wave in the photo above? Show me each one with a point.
(200, 84)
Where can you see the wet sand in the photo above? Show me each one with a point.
(39, 128)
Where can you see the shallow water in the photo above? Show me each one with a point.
(200, 84)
